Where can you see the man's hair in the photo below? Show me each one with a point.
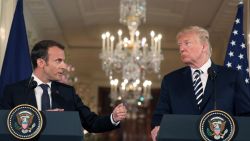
(40, 50)
(201, 32)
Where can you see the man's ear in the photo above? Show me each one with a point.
(205, 47)
(40, 62)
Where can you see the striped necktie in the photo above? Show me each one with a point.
(198, 88)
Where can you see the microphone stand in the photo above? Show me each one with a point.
(215, 94)
(212, 76)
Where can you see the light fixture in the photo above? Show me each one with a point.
(132, 57)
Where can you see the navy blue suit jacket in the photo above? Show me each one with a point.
(63, 96)
(177, 94)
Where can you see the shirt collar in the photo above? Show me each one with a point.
(39, 81)
(203, 68)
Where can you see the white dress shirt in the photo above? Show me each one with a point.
(39, 92)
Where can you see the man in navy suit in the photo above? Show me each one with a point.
(48, 61)
(184, 92)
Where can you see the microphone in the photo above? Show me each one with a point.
(32, 84)
(212, 75)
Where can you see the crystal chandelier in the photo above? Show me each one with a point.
(132, 57)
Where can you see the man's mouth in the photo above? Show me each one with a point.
(60, 73)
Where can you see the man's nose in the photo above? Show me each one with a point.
(64, 65)
(181, 48)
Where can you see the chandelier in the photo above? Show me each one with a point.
(132, 57)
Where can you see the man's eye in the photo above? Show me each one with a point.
(184, 43)
(187, 43)
(58, 61)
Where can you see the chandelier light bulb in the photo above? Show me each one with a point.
(137, 81)
(119, 36)
(125, 81)
(152, 33)
(103, 36)
(139, 103)
(107, 34)
(137, 33)
(147, 83)
(119, 98)
(119, 32)
(159, 36)
(125, 40)
(110, 77)
(112, 38)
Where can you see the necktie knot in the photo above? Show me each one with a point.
(197, 72)
(44, 86)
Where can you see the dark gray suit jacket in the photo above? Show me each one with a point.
(177, 94)
(63, 96)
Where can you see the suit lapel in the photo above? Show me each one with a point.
(31, 98)
(209, 90)
(188, 87)
(55, 95)
(207, 93)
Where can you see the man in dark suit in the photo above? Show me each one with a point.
(48, 94)
(190, 90)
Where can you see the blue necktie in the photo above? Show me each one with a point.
(45, 97)
(198, 88)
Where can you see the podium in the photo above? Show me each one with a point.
(61, 126)
(186, 128)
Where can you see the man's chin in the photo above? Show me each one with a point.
(185, 60)
(56, 78)
(59, 78)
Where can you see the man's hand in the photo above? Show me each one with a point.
(154, 132)
(56, 110)
(119, 113)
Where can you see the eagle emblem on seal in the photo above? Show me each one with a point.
(217, 128)
(25, 120)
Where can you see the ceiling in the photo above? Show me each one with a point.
(79, 23)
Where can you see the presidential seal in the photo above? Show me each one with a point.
(217, 125)
(24, 122)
